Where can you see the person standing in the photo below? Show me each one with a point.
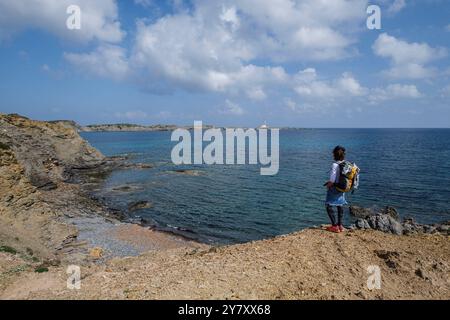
(335, 200)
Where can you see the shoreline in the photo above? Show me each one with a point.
(138, 236)
(49, 221)
(58, 180)
(121, 163)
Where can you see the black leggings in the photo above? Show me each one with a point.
(332, 215)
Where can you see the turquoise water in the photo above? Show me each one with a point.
(407, 169)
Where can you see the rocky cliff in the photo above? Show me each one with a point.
(46, 170)
(36, 160)
(47, 151)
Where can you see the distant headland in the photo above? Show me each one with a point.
(129, 127)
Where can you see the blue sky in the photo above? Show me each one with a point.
(303, 63)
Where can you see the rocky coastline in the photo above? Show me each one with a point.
(48, 172)
(388, 220)
(49, 220)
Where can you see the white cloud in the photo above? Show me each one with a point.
(396, 6)
(291, 104)
(132, 115)
(394, 91)
(408, 60)
(446, 91)
(299, 108)
(300, 30)
(201, 58)
(45, 68)
(447, 28)
(154, 5)
(392, 7)
(256, 94)
(229, 16)
(212, 46)
(53, 73)
(106, 61)
(323, 93)
(410, 71)
(319, 94)
(349, 85)
(144, 3)
(99, 19)
(231, 108)
(399, 50)
(309, 85)
(408, 91)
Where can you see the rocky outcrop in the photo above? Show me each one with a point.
(47, 151)
(36, 160)
(388, 220)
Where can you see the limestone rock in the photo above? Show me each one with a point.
(96, 253)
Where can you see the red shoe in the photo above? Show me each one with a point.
(334, 229)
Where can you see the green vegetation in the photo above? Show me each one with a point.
(8, 249)
(14, 270)
(4, 146)
(41, 269)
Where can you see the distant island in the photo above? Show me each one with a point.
(128, 127)
(125, 127)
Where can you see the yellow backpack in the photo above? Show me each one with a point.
(348, 177)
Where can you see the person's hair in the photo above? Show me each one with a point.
(339, 153)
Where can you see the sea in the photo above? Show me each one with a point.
(408, 169)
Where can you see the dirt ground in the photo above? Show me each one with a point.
(312, 264)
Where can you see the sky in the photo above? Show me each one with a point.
(296, 63)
